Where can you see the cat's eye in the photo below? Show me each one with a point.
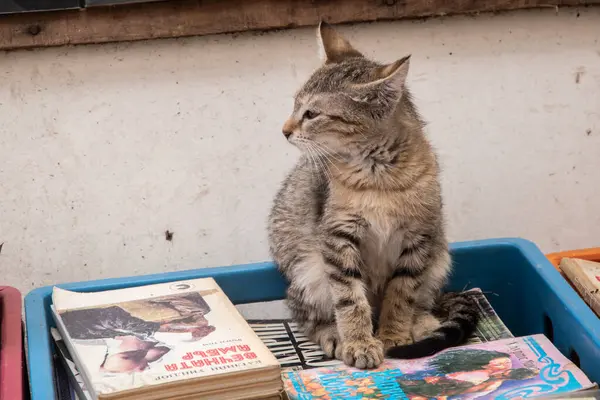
(309, 114)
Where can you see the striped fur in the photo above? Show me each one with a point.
(357, 226)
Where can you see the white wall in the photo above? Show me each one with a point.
(103, 148)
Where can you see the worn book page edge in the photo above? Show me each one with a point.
(586, 289)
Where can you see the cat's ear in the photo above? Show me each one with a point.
(333, 48)
(394, 74)
(386, 90)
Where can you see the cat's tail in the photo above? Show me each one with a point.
(459, 315)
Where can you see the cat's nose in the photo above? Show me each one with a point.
(288, 128)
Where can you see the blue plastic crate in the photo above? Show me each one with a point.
(525, 289)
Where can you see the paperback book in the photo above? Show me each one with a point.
(171, 340)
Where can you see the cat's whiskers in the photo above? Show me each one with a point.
(314, 157)
(324, 166)
(328, 150)
(325, 156)
(310, 155)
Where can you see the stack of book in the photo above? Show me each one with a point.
(173, 341)
(185, 340)
(585, 277)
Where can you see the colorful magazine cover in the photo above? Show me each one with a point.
(515, 368)
(295, 351)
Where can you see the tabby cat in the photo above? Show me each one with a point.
(357, 226)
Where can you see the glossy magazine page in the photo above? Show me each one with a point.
(513, 368)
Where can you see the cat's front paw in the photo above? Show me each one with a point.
(395, 339)
(367, 353)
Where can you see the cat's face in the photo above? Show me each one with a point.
(343, 103)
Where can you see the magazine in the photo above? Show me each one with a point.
(295, 351)
(514, 368)
(490, 327)
(181, 338)
(289, 345)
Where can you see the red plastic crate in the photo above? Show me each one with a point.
(11, 345)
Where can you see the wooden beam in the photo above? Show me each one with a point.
(177, 18)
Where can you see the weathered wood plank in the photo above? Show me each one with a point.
(179, 18)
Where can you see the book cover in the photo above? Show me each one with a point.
(514, 368)
(145, 336)
(295, 351)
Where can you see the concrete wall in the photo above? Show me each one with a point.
(104, 148)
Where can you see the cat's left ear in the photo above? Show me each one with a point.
(394, 74)
(387, 88)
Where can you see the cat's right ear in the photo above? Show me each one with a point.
(333, 48)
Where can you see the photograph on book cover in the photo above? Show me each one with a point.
(507, 369)
(135, 334)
